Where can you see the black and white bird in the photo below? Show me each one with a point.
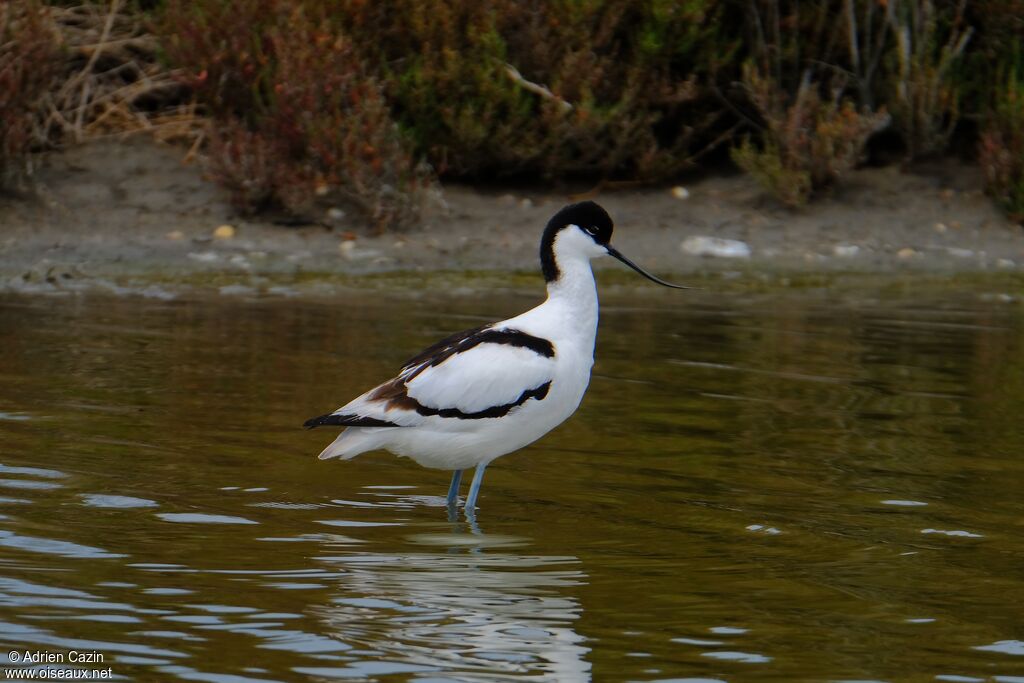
(481, 393)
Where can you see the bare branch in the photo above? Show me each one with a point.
(536, 88)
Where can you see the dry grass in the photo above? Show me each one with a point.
(69, 74)
(113, 80)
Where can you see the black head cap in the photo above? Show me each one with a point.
(589, 216)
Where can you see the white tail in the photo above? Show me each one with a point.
(350, 443)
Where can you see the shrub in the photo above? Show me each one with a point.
(925, 99)
(244, 163)
(810, 134)
(29, 52)
(564, 87)
(995, 48)
(1000, 28)
(1001, 147)
(902, 53)
(298, 120)
(809, 143)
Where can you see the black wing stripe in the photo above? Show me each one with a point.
(539, 393)
(538, 345)
(464, 341)
(346, 421)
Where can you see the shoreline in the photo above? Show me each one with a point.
(129, 214)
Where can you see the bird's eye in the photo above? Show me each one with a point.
(592, 231)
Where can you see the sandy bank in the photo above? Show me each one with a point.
(132, 213)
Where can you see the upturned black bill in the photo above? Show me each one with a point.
(612, 251)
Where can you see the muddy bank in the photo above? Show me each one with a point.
(132, 214)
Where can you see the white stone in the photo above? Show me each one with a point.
(701, 245)
(204, 256)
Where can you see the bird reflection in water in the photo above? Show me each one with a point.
(477, 608)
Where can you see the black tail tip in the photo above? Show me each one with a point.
(337, 420)
(313, 422)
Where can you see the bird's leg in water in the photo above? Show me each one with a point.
(474, 490)
(453, 490)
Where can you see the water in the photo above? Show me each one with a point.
(781, 486)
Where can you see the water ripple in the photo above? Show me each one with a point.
(102, 500)
(31, 635)
(202, 518)
(1006, 647)
(32, 471)
(9, 539)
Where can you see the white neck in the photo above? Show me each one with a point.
(574, 293)
(569, 315)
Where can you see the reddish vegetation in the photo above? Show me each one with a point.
(308, 105)
(299, 121)
(29, 52)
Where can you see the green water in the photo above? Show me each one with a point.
(781, 486)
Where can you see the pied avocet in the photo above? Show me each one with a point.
(485, 392)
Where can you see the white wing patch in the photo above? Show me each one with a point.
(484, 376)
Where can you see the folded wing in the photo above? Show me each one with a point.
(477, 374)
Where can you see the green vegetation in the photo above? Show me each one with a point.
(1001, 150)
(552, 88)
(311, 104)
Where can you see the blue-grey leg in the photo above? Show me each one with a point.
(474, 490)
(453, 496)
(453, 490)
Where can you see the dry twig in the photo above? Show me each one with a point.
(536, 88)
(113, 82)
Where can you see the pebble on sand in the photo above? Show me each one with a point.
(224, 232)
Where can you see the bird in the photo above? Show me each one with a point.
(488, 391)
